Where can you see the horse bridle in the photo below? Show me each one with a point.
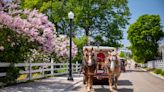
(112, 59)
(89, 58)
(85, 62)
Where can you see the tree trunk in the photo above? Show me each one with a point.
(87, 34)
(87, 31)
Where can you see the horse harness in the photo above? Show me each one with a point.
(109, 59)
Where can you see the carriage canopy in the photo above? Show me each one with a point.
(101, 52)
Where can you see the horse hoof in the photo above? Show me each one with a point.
(88, 90)
(111, 89)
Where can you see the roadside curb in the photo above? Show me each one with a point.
(144, 70)
(156, 75)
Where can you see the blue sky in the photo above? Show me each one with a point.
(140, 7)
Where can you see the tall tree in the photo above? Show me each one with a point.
(95, 17)
(144, 35)
(80, 42)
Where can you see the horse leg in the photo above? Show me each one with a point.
(89, 83)
(116, 81)
(110, 83)
(86, 81)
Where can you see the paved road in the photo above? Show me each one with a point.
(52, 84)
(131, 81)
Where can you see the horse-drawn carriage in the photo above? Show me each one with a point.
(100, 62)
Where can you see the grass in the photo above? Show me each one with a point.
(61, 71)
(25, 76)
(162, 73)
(149, 69)
(158, 71)
(21, 77)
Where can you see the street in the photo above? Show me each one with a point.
(130, 81)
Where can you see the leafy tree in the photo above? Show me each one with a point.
(15, 47)
(144, 35)
(22, 30)
(95, 17)
(122, 54)
(80, 42)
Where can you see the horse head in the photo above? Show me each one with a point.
(112, 60)
(89, 57)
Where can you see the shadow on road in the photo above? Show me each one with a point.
(102, 86)
(120, 82)
(76, 89)
(55, 86)
(124, 83)
(104, 89)
(125, 90)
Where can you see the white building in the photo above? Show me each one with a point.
(161, 50)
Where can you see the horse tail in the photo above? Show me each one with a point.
(112, 66)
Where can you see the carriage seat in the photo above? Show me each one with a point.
(100, 57)
(100, 60)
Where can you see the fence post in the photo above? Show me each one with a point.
(30, 70)
(52, 66)
(163, 53)
(43, 70)
(77, 64)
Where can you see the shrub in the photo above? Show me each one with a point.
(150, 69)
(12, 74)
(162, 73)
(158, 71)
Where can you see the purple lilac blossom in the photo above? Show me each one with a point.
(36, 26)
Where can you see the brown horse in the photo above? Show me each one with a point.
(113, 68)
(88, 67)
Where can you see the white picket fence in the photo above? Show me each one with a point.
(159, 64)
(44, 69)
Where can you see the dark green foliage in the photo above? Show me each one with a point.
(144, 35)
(12, 74)
(158, 71)
(106, 18)
(80, 42)
(162, 73)
(16, 47)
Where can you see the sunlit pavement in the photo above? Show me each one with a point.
(53, 84)
(130, 81)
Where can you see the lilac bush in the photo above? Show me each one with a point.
(62, 47)
(36, 27)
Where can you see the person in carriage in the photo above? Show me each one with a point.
(123, 65)
(100, 60)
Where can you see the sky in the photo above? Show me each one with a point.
(140, 7)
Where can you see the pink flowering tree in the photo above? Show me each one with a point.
(62, 47)
(31, 28)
